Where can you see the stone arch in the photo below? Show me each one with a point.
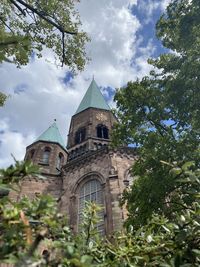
(75, 199)
(87, 176)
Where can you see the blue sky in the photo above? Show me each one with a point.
(122, 36)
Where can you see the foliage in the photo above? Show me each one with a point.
(27, 27)
(2, 99)
(27, 227)
(159, 114)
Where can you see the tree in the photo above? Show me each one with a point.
(159, 114)
(27, 226)
(27, 27)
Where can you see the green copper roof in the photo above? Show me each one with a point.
(93, 98)
(52, 134)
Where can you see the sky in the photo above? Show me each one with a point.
(122, 36)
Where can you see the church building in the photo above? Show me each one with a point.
(87, 169)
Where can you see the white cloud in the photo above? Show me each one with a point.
(12, 142)
(114, 61)
(148, 7)
(165, 3)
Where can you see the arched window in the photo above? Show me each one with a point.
(60, 161)
(46, 154)
(102, 131)
(80, 136)
(91, 191)
(32, 152)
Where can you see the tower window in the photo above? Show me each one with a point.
(80, 136)
(60, 161)
(46, 154)
(102, 131)
(32, 152)
(91, 191)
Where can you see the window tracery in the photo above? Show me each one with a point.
(91, 191)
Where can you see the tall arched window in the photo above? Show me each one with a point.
(91, 191)
(102, 131)
(60, 161)
(46, 154)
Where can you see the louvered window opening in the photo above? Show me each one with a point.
(80, 136)
(102, 132)
(91, 191)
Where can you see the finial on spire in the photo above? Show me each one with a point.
(55, 120)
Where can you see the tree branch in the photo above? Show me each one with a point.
(6, 24)
(18, 7)
(41, 15)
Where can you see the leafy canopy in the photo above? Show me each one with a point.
(30, 226)
(27, 27)
(160, 115)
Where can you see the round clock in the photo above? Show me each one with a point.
(101, 117)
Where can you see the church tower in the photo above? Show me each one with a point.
(88, 169)
(91, 124)
(94, 171)
(49, 153)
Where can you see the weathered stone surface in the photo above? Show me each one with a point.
(96, 161)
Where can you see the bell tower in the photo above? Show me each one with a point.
(89, 170)
(91, 125)
(94, 172)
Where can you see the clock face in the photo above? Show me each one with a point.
(101, 117)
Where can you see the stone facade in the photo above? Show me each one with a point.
(35, 153)
(87, 164)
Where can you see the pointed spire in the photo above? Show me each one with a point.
(52, 134)
(93, 98)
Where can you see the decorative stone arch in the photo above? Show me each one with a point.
(87, 176)
(76, 198)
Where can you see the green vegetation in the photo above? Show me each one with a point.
(2, 99)
(27, 27)
(27, 224)
(160, 114)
